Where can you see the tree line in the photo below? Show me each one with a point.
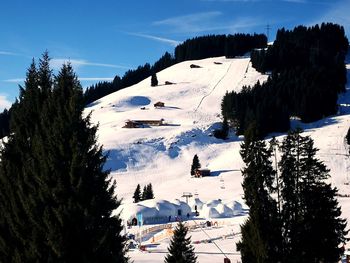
(294, 215)
(196, 48)
(307, 72)
(219, 45)
(130, 77)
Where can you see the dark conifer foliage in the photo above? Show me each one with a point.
(261, 236)
(164, 62)
(149, 191)
(59, 208)
(347, 138)
(196, 48)
(144, 193)
(308, 73)
(180, 249)
(195, 164)
(101, 89)
(312, 228)
(223, 132)
(5, 123)
(154, 80)
(293, 217)
(137, 194)
(218, 45)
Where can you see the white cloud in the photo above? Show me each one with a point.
(208, 22)
(188, 18)
(18, 80)
(189, 23)
(4, 102)
(156, 38)
(6, 53)
(56, 63)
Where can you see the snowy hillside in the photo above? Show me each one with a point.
(162, 155)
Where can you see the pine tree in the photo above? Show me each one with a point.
(154, 80)
(180, 249)
(195, 164)
(312, 228)
(223, 132)
(144, 193)
(22, 235)
(59, 209)
(261, 232)
(137, 194)
(149, 191)
(347, 138)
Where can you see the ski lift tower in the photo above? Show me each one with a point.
(187, 195)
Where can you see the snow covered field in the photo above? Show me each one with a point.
(162, 155)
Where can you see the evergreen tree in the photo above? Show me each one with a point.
(5, 123)
(261, 240)
(144, 193)
(59, 209)
(149, 191)
(312, 228)
(195, 164)
(154, 80)
(137, 194)
(347, 138)
(223, 132)
(22, 237)
(180, 249)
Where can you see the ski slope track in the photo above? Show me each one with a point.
(162, 155)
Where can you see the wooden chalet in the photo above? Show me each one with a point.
(142, 123)
(159, 104)
(201, 172)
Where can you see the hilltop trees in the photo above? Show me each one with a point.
(307, 74)
(218, 45)
(56, 200)
(304, 224)
(196, 48)
(180, 249)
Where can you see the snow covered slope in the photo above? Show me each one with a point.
(162, 155)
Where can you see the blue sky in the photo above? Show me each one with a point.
(107, 37)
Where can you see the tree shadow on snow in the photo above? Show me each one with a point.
(219, 172)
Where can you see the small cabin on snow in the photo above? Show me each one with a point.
(201, 172)
(159, 104)
(143, 123)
